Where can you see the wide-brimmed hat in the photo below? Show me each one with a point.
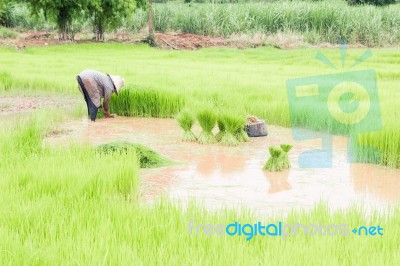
(118, 82)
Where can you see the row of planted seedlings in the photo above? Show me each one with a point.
(230, 127)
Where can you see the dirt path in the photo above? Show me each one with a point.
(16, 104)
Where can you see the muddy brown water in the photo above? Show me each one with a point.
(220, 176)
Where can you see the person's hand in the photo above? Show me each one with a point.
(108, 115)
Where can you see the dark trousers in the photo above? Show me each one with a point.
(92, 109)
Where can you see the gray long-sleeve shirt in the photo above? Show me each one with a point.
(98, 85)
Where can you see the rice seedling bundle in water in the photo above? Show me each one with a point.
(241, 135)
(221, 128)
(207, 120)
(146, 157)
(275, 162)
(232, 125)
(186, 120)
(285, 158)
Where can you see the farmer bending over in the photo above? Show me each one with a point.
(94, 86)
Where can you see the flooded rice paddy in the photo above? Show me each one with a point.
(221, 176)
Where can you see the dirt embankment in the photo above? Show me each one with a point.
(16, 104)
(171, 40)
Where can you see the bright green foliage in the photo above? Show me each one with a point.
(109, 14)
(315, 22)
(5, 81)
(285, 158)
(232, 125)
(6, 7)
(221, 129)
(241, 134)
(186, 121)
(275, 162)
(207, 120)
(60, 11)
(279, 159)
(84, 206)
(146, 102)
(56, 66)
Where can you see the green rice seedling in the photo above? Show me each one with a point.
(186, 120)
(207, 120)
(146, 157)
(221, 128)
(285, 158)
(232, 125)
(241, 135)
(6, 81)
(275, 162)
(146, 103)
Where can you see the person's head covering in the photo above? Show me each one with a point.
(118, 83)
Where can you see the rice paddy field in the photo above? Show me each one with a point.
(161, 83)
(77, 193)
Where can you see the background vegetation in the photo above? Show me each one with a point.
(315, 21)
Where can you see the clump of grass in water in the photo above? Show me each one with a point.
(232, 125)
(207, 120)
(285, 158)
(275, 162)
(221, 128)
(186, 120)
(146, 157)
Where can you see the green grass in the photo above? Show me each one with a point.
(73, 205)
(146, 102)
(160, 83)
(316, 22)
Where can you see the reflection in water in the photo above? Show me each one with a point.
(278, 181)
(379, 181)
(231, 176)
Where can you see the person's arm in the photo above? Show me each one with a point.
(106, 105)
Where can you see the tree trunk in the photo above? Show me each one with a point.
(151, 18)
(63, 24)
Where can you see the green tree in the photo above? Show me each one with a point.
(108, 14)
(62, 12)
(5, 12)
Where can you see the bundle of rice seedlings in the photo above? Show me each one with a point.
(285, 158)
(232, 125)
(207, 120)
(275, 162)
(241, 135)
(221, 128)
(186, 120)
